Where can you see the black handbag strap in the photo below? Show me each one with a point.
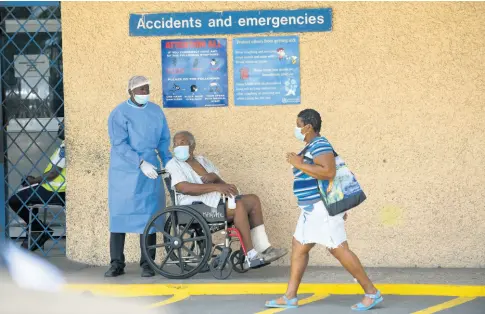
(305, 149)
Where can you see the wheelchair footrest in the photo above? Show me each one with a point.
(260, 265)
(256, 263)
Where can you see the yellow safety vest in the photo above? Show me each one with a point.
(59, 183)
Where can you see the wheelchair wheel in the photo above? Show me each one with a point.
(220, 269)
(195, 246)
(180, 260)
(238, 259)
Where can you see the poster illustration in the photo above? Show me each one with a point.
(194, 73)
(266, 71)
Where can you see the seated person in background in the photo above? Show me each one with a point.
(196, 179)
(49, 188)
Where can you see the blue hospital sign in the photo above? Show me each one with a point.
(231, 22)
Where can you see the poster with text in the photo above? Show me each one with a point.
(266, 71)
(194, 73)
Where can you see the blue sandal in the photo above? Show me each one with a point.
(377, 298)
(289, 303)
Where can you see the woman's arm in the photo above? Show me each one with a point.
(324, 167)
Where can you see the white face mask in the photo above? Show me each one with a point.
(182, 153)
(298, 134)
(141, 99)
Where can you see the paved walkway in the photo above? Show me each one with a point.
(338, 304)
(325, 290)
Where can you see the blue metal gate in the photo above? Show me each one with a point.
(32, 210)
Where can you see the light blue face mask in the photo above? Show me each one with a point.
(298, 134)
(141, 99)
(181, 153)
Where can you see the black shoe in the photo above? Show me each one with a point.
(147, 272)
(39, 238)
(114, 271)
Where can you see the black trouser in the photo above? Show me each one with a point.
(33, 196)
(117, 246)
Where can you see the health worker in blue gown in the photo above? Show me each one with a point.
(139, 134)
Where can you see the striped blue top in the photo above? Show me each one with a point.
(305, 187)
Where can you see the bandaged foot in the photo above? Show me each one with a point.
(260, 238)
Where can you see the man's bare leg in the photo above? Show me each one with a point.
(352, 264)
(259, 238)
(252, 206)
(241, 221)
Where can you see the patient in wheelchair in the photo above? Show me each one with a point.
(196, 179)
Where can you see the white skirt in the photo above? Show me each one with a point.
(315, 225)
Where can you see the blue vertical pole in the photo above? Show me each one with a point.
(3, 210)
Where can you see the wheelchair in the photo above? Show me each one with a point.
(186, 232)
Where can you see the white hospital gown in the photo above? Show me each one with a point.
(180, 171)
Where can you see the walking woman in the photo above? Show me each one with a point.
(315, 225)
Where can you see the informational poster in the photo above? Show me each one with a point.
(194, 73)
(266, 71)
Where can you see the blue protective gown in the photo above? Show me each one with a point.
(135, 133)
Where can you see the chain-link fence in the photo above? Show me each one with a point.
(32, 102)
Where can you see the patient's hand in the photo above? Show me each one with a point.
(227, 189)
(210, 178)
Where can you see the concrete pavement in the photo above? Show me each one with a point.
(325, 289)
(81, 273)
